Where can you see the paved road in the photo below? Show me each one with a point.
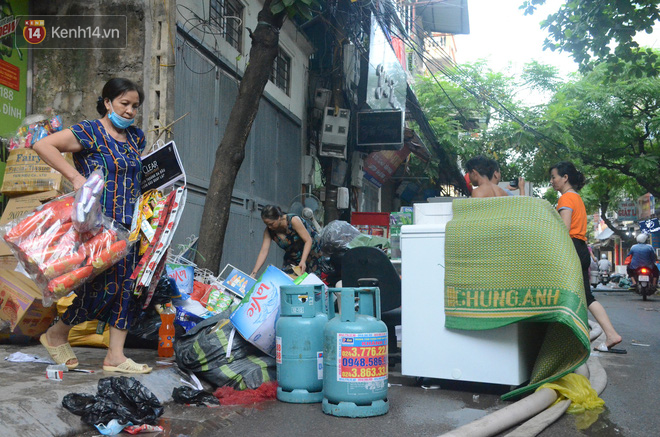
(633, 380)
(630, 397)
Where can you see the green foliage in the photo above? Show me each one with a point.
(613, 125)
(303, 8)
(609, 129)
(603, 31)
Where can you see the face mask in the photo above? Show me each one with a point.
(118, 121)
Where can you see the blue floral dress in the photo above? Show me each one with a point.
(109, 296)
(293, 246)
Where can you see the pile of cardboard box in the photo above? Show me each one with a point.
(28, 182)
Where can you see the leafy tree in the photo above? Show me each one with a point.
(469, 112)
(613, 125)
(596, 31)
(231, 151)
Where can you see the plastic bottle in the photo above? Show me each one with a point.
(166, 331)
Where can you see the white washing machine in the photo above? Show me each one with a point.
(428, 349)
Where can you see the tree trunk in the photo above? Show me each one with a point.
(617, 231)
(231, 151)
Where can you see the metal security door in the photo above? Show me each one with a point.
(270, 172)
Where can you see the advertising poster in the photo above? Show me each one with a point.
(257, 314)
(380, 166)
(13, 67)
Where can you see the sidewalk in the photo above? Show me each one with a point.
(31, 404)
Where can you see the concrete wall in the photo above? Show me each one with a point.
(70, 81)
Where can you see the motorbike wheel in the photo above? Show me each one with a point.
(644, 296)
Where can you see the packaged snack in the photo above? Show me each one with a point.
(56, 256)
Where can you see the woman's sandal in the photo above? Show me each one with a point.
(128, 366)
(60, 354)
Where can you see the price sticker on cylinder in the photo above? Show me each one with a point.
(362, 357)
(278, 350)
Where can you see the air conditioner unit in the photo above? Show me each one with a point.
(357, 170)
(611, 215)
(334, 135)
(322, 98)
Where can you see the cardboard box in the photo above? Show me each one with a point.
(258, 312)
(21, 306)
(18, 207)
(26, 173)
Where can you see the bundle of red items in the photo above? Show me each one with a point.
(55, 255)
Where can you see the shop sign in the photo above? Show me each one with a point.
(380, 166)
(13, 67)
(645, 206)
(627, 210)
(386, 84)
(650, 226)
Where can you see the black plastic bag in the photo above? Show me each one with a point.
(166, 290)
(187, 395)
(143, 332)
(121, 398)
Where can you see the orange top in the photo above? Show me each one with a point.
(573, 201)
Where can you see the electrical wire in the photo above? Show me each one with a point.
(481, 94)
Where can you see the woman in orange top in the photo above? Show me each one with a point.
(567, 180)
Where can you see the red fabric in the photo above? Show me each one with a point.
(469, 184)
(627, 260)
(201, 292)
(230, 396)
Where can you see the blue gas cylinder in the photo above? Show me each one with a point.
(299, 343)
(355, 356)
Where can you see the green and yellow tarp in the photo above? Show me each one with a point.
(510, 260)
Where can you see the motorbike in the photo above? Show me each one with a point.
(604, 277)
(644, 284)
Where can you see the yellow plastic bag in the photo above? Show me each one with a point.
(578, 389)
(83, 334)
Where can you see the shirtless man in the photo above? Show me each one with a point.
(497, 177)
(481, 172)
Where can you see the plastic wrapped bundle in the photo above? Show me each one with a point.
(87, 215)
(336, 236)
(55, 255)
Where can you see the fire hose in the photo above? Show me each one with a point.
(534, 408)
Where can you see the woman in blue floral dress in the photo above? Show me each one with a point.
(113, 145)
(293, 234)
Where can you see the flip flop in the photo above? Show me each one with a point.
(611, 350)
(128, 366)
(60, 354)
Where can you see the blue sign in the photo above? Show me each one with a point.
(649, 226)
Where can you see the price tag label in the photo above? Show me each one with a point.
(362, 357)
(278, 350)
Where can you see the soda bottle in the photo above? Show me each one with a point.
(166, 331)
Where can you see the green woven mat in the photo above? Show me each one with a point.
(510, 259)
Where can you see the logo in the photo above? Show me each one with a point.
(7, 26)
(34, 31)
(347, 340)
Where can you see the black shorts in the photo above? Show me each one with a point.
(585, 262)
